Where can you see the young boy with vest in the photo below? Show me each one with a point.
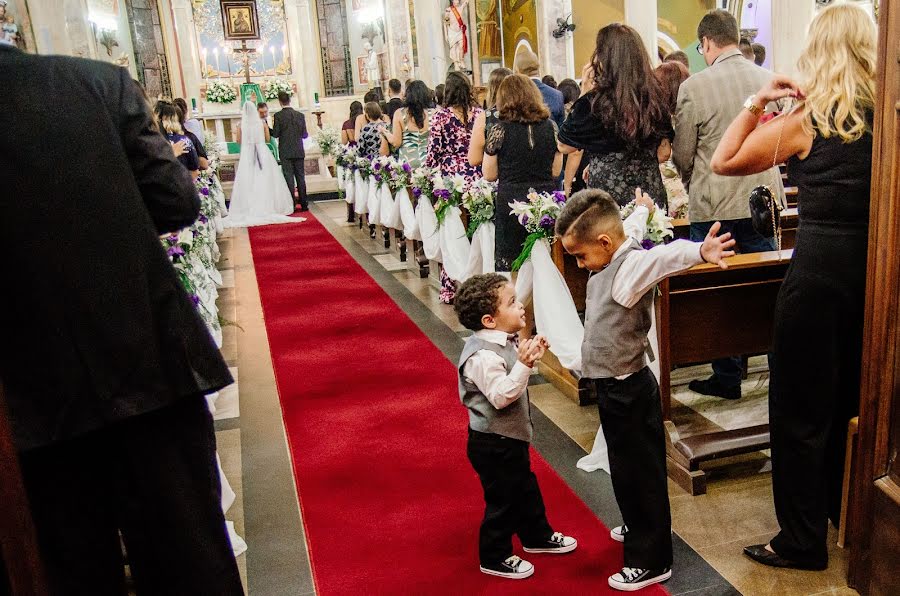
(493, 385)
(620, 296)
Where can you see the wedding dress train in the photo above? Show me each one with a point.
(260, 195)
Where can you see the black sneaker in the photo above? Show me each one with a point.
(618, 533)
(556, 544)
(631, 579)
(512, 568)
(715, 388)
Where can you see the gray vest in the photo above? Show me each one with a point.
(514, 420)
(615, 337)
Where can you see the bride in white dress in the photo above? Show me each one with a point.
(260, 195)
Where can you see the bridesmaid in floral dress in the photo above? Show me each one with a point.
(448, 145)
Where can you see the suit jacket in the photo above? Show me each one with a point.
(96, 326)
(554, 100)
(290, 130)
(707, 104)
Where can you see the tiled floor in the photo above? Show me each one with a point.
(736, 511)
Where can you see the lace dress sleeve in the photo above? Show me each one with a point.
(494, 139)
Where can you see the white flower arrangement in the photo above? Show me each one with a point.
(479, 202)
(659, 226)
(537, 215)
(328, 139)
(220, 92)
(276, 86)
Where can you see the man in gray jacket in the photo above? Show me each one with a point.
(707, 104)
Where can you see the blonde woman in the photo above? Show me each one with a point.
(814, 390)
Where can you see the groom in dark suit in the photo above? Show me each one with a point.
(104, 358)
(290, 130)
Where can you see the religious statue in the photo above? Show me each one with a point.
(371, 66)
(9, 31)
(455, 30)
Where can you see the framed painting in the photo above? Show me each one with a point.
(240, 21)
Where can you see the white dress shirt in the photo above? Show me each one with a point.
(487, 370)
(643, 269)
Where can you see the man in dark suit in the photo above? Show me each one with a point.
(526, 63)
(396, 101)
(104, 359)
(290, 130)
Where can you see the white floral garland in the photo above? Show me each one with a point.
(220, 92)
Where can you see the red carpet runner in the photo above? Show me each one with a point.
(377, 435)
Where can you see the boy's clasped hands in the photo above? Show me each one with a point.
(531, 350)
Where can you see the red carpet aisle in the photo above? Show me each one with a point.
(377, 436)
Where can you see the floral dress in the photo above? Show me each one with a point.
(448, 151)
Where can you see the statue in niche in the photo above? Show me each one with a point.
(9, 31)
(372, 68)
(455, 30)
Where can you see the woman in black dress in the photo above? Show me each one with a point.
(488, 118)
(520, 153)
(817, 350)
(620, 120)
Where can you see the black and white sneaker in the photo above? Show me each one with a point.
(556, 544)
(631, 579)
(618, 533)
(511, 568)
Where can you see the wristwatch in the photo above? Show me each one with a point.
(754, 109)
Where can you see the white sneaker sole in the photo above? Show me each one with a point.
(555, 551)
(522, 575)
(617, 537)
(640, 585)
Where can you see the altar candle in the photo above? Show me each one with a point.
(203, 61)
(227, 52)
(216, 54)
(274, 64)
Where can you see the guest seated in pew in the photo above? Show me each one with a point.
(410, 130)
(707, 103)
(170, 125)
(619, 302)
(493, 385)
(817, 347)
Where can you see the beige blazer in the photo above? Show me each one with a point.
(707, 104)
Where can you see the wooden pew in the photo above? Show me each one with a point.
(789, 223)
(739, 303)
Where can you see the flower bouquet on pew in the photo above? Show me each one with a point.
(401, 175)
(447, 193)
(478, 200)
(364, 167)
(381, 169)
(398, 182)
(659, 226)
(422, 182)
(538, 215)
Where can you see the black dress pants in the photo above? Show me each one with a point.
(152, 477)
(512, 498)
(631, 415)
(294, 168)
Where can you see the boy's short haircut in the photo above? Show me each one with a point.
(478, 296)
(584, 210)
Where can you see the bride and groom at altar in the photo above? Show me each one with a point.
(262, 194)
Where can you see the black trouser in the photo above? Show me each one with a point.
(152, 477)
(512, 497)
(293, 167)
(631, 415)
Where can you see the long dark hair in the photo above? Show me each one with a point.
(416, 101)
(356, 108)
(458, 94)
(628, 98)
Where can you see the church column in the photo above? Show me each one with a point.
(789, 24)
(642, 15)
(556, 55)
(186, 51)
(433, 59)
(304, 43)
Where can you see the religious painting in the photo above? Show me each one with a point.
(239, 20)
(217, 58)
(488, 23)
(519, 24)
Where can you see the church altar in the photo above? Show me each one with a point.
(222, 127)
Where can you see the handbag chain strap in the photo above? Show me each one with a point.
(776, 214)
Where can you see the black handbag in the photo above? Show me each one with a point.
(765, 210)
